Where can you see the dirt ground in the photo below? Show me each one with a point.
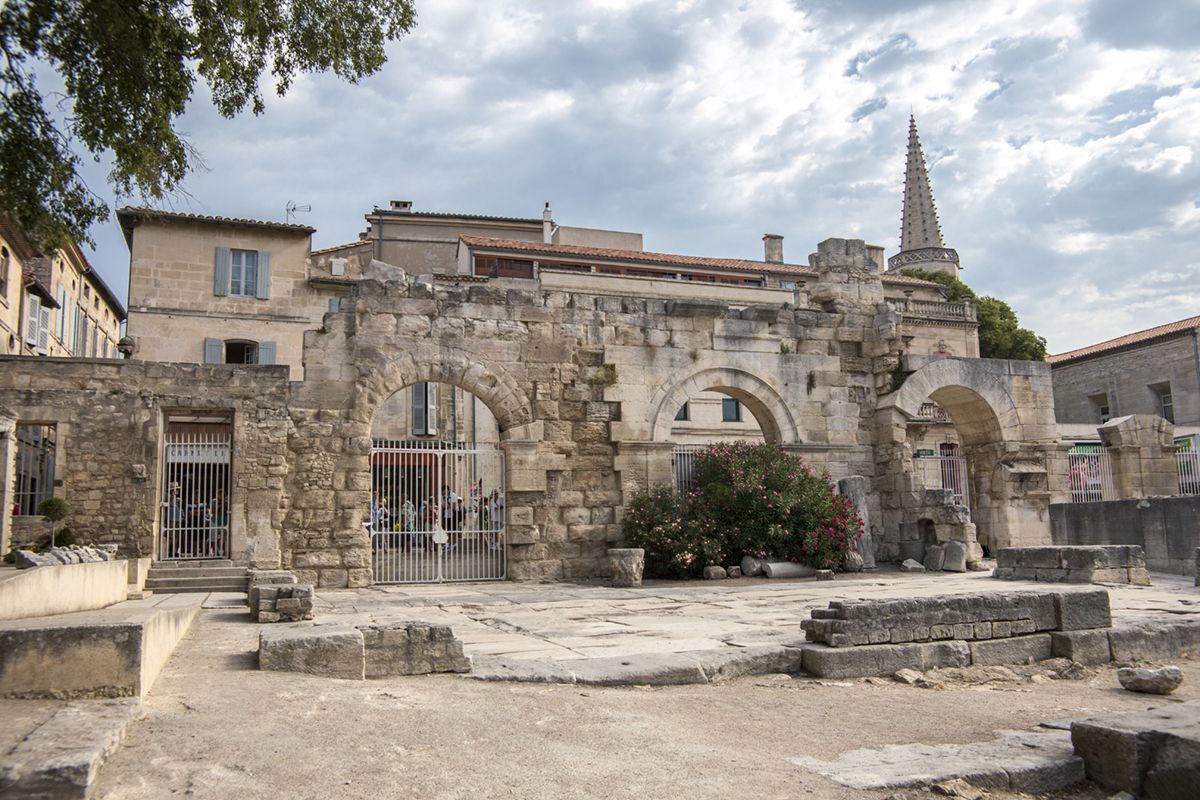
(215, 727)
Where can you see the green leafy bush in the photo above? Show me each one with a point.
(749, 499)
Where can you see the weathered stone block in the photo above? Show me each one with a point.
(334, 651)
(1014, 650)
(1086, 647)
(882, 659)
(1077, 611)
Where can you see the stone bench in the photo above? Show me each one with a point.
(366, 651)
(1074, 564)
(1154, 754)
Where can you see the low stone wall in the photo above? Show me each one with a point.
(62, 589)
(290, 602)
(971, 617)
(366, 651)
(1074, 564)
(1166, 528)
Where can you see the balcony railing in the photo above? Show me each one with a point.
(933, 309)
(932, 412)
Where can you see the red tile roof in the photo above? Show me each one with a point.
(673, 259)
(1128, 340)
(128, 215)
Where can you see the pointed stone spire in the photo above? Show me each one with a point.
(919, 223)
(921, 242)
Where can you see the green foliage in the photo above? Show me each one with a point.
(1000, 332)
(54, 509)
(751, 499)
(129, 70)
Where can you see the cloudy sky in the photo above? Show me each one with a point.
(1061, 136)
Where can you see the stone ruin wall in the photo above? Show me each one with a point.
(584, 388)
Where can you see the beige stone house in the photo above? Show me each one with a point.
(54, 305)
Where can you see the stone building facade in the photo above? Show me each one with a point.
(1154, 371)
(584, 387)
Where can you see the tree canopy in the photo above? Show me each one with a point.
(129, 70)
(1000, 332)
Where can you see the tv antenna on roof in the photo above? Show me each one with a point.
(291, 208)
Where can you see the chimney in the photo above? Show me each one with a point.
(772, 248)
(403, 206)
(547, 225)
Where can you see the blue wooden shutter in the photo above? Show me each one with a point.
(214, 351)
(266, 352)
(221, 272)
(418, 409)
(431, 409)
(262, 287)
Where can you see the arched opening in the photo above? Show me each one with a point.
(705, 418)
(437, 504)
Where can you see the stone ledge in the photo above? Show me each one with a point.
(1074, 564)
(366, 651)
(60, 758)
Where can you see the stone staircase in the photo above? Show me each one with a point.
(209, 575)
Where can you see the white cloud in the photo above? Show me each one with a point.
(1060, 136)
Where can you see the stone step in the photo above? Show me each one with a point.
(208, 572)
(191, 563)
(198, 584)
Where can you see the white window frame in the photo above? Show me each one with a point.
(243, 276)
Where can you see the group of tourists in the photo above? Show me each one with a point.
(477, 513)
(197, 527)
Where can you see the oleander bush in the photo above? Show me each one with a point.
(748, 499)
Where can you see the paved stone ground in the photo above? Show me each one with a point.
(566, 621)
(215, 727)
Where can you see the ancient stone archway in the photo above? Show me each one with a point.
(1003, 414)
(768, 407)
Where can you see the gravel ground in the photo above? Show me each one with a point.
(215, 727)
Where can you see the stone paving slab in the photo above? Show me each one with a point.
(564, 621)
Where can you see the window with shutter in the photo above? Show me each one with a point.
(419, 418)
(43, 344)
(266, 352)
(262, 288)
(221, 272)
(431, 409)
(214, 351)
(33, 320)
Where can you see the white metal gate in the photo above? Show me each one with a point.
(1090, 475)
(437, 512)
(194, 510)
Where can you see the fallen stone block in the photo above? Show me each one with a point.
(26, 559)
(1016, 650)
(334, 651)
(411, 649)
(883, 659)
(714, 573)
(955, 557)
(1084, 647)
(1163, 680)
(1153, 754)
(935, 557)
(733, 572)
(911, 565)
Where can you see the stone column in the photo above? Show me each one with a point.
(1142, 452)
(8, 476)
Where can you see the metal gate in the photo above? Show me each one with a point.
(945, 472)
(194, 509)
(437, 512)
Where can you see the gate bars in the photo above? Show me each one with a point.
(437, 512)
(194, 510)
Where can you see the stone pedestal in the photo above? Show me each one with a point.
(625, 564)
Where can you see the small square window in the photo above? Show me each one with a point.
(731, 410)
(243, 272)
(682, 415)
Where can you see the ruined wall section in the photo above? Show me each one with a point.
(109, 416)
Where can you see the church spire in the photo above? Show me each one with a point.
(921, 242)
(919, 223)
